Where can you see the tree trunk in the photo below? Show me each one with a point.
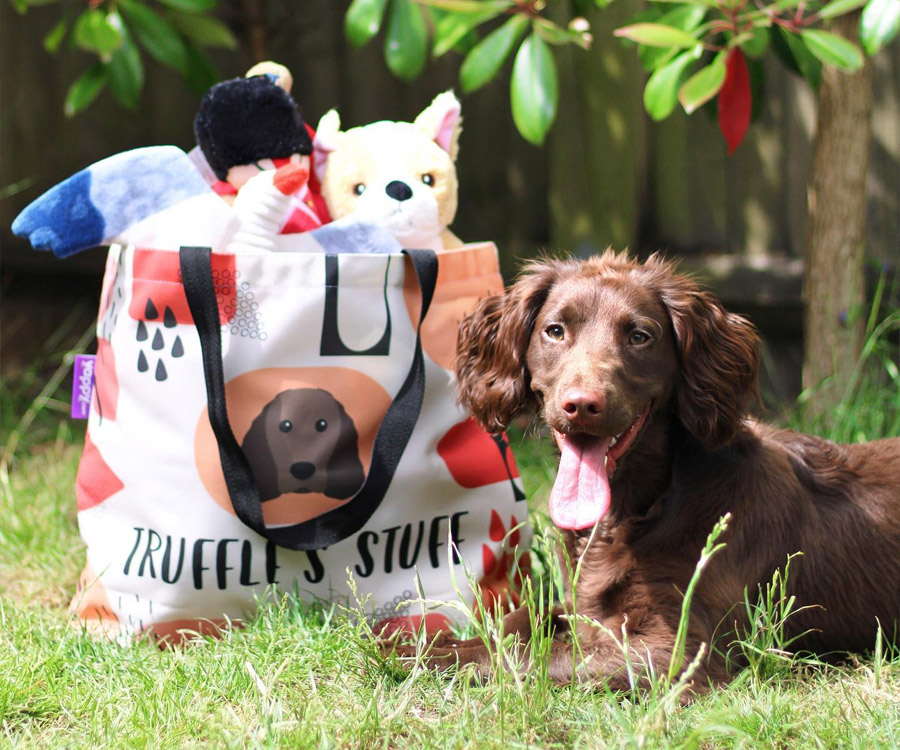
(255, 36)
(833, 287)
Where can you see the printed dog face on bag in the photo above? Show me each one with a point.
(304, 441)
(307, 433)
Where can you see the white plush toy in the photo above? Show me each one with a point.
(399, 175)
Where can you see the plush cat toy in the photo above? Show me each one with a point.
(399, 175)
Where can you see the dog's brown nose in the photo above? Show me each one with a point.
(580, 405)
(303, 469)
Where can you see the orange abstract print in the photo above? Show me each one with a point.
(463, 279)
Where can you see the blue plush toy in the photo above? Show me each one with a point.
(101, 203)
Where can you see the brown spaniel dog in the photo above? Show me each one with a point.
(644, 380)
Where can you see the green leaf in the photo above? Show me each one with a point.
(469, 6)
(685, 17)
(832, 49)
(190, 6)
(201, 73)
(703, 85)
(879, 24)
(656, 35)
(554, 34)
(155, 34)
(488, 56)
(97, 32)
(126, 74)
(534, 90)
(707, 3)
(757, 71)
(649, 14)
(453, 28)
(661, 91)
(754, 43)
(781, 6)
(795, 54)
(85, 89)
(205, 31)
(363, 20)
(56, 35)
(25, 4)
(406, 44)
(840, 7)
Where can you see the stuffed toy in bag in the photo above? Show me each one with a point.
(247, 128)
(247, 125)
(248, 184)
(400, 175)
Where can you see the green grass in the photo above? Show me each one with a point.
(310, 677)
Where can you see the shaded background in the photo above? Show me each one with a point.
(607, 175)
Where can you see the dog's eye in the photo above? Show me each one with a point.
(359, 188)
(639, 338)
(555, 332)
(321, 425)
(285, 425)
(428, 179)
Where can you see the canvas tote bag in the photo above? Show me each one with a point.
(286, 422)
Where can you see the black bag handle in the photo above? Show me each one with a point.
(390, 440)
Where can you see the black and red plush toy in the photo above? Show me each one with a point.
(251, 125)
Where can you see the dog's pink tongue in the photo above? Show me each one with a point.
(580, 496)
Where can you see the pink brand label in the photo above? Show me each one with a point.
(82, 385)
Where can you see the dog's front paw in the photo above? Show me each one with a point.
(439, 655)
(389, 648)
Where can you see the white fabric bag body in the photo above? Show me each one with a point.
(314, 351)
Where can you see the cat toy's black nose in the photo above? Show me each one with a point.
(399, 191)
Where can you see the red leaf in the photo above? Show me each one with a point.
(488, 560)
(491, 598)
(735, 100)
(497, 529)
(503, 566)
(514, 536)
(523, 568)
(95, 481)
(157, 285)
(473, 457)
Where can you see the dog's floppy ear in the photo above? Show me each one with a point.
(256, 448)
(345, 470)
(493, 379)
(719, 355)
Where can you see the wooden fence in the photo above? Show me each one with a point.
(608, 176)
